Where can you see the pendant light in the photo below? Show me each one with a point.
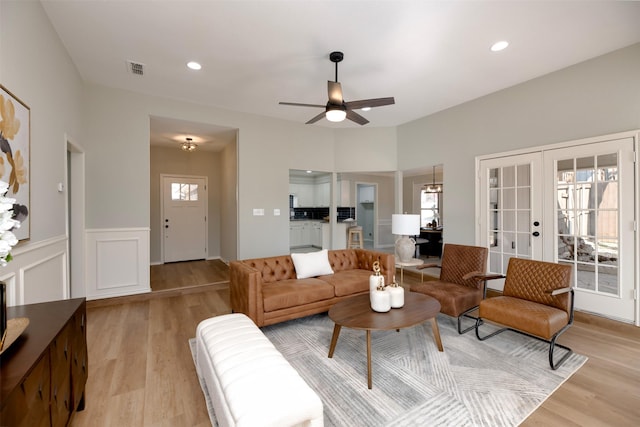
(433, 188)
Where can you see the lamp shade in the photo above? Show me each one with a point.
(405, 224)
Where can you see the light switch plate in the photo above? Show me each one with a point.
(258, 212)
(276, 212)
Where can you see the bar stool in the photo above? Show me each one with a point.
(355, 232)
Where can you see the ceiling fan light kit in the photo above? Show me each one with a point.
(336, 108)
(335, 114)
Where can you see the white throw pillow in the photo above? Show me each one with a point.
(312, 264)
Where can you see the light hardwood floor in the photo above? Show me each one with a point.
(141, 372)
(188, 273)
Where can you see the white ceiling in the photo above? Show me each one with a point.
(429, 55)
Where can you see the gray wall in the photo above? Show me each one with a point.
(36, 68)
(597, 97)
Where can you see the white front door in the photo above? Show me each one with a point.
(510, 220)
(590, 201)
(184, 220)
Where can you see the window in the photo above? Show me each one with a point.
(180, 191)
(429, 211)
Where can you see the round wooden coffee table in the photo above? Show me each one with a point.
(356, 313)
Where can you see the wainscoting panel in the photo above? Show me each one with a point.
(117, 262)
(385, 238)
(37, 273)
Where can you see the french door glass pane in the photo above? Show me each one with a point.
(523, 220)
(524, 175)
(524, 245)
(588, 229)
(509, 221)
(509, 176)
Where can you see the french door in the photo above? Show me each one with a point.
(571, 205)
(511, 215)
(591, 206)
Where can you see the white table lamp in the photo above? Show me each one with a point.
(405, 225)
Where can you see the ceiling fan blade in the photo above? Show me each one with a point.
(335, 93)
(296, 104)
(355, 117)
(375, 102)
(316, 118)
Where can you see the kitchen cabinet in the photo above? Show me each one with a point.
(295, 234)
(311, 195)
(316, 234)
(301, 233)
(366, 195)
(304, 194)
(322, 194)
(306, 234)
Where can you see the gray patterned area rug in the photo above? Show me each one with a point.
(497, 382)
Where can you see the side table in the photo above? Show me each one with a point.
(413, 262)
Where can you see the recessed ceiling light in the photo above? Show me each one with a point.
(366, 108)
(194, 65)
(498, 46)
(309, 171)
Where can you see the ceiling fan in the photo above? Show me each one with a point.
(337, 109)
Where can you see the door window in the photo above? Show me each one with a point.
(587, 211)
(182, 191)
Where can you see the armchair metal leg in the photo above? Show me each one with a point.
(552, 343)
(466, 314)
(480, 322)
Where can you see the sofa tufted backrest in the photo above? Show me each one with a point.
(343, 259)
(273, 269)
(363, 259)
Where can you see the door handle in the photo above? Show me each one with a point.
(166, 226)
(535, 233)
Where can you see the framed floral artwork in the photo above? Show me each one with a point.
(15, 144)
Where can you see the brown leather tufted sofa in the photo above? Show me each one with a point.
(267, 290)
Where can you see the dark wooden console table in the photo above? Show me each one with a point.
(434, 245)
(44, 371)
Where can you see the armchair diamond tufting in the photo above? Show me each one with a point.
(537, 301)
(462, 282)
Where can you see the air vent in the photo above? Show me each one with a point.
(136, 68)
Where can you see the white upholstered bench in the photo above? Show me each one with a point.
(250, 383)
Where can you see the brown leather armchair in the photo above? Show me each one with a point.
(462, 282)
(537, 301)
